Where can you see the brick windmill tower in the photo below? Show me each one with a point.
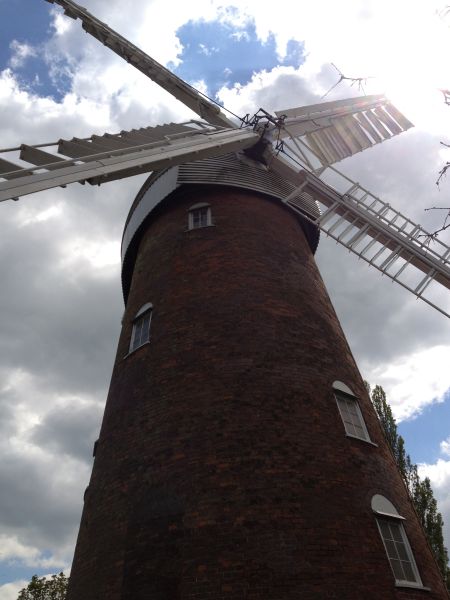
(239, 455)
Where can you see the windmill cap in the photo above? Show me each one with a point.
(230, 170)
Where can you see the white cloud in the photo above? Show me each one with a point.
(20, 53)
(439, 474)
(415, 380)
(207, 50)
(241, 35)
(445, 447)
(99, 254)
(10, 591)
(38, 119)
(13, 551)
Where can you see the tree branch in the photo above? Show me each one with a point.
(359, 81)
(432, 236)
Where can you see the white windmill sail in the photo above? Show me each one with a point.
(99, 159)
(332, 131)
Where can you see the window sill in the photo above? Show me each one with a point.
(197, 228)
(136, 349)
(355, 437)
(415, 586)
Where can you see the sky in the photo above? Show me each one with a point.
(60, 301)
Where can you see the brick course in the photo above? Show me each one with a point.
(223, 470)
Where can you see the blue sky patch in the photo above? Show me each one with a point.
(15, 571)
(33, 30)
(214, 51)
(33, 75)
(23, 20)
(221, 55)
(424, 434)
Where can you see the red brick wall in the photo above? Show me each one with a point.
(223, 470)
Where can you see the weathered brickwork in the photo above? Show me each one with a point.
(223, 470)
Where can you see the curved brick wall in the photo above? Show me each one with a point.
(223, 469)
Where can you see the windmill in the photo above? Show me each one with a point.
(229, 165)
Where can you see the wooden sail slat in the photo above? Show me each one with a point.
(398, 116)
(357, 132)
(388, 121)
(369, 128)
(35, 156)
(339, 141)
(316, 149)
(335, 142)
(347, 135)
(6, 167)
(385, 133)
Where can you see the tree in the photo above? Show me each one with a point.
(420, 491)
(386, 418)
(42, 588)
(432, 522)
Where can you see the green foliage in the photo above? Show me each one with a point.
(386, 417)
(420, 491)
(432, 522)
(41, 588)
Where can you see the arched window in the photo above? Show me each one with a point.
(141, 327)
(350, 412)
(199, 215)
(396, 544)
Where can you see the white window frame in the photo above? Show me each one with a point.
(343, 400)
(205, 209)
(387, 514)
(138, 322)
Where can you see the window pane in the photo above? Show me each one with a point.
(199, 217)
(398, 551)
(141, 331)
(136, 335)
(408, 571)
(349, 428)
(352, 409)
(401, 551)
(145, 328)
(359, 431)
(396, 533)
(390, 549)
(385, 532)
(398, 571)
(351, 417)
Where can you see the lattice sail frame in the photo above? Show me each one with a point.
(377, 233)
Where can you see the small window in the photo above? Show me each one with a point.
(141, 327)
(395, 542)
(199, 216)
(350, 412)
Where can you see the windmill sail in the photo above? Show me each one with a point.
(144, 63)
(99, 159)
(332, 131)
(316, 136)
(375, 232)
